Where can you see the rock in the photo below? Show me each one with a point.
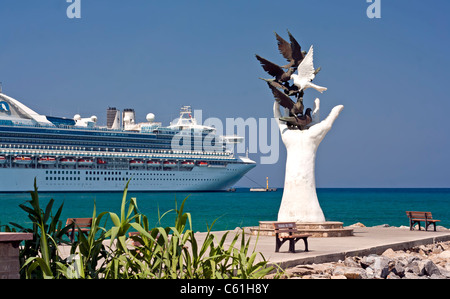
(382, 225)
(367, 261)
(445, 255)
(338, 277)
(430, 261)
(398, 270)
(409, 275)
(358, 224)
(447, 266)
(350, 262)
(397, 255)
(381, 266)
(389, 253)
(441, 228)
(369, 272)
(350, 272)
(413, 267)
(444, 272)
(320, 276)
(324, 268)
(428, 268)
(301, 270)
(393, 276)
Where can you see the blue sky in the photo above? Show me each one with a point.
(391, 74)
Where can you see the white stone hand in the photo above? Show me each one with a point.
(299, 202)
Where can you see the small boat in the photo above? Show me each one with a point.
(153, 163)
(47, 160)
(85, 162)
(267, 189)
(22, 160)
(136, 163)
(202, 164)
(2, 160)
(67, 161)
(170, 164)
(187, 164)
(100, 161)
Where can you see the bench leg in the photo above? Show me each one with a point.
(306, 244)
(428, 223)
(72, 235)
(278, 244)
(292, 245)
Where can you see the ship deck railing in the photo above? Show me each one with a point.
(97, 154)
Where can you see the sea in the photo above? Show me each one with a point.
(242, 208)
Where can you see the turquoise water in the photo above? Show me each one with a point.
(243, 208)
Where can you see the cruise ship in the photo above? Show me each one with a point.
(75, 154)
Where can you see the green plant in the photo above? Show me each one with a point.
(164, 252)
(42, 250)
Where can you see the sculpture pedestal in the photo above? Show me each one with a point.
(325, 229)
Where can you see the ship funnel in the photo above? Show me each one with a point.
(113, 118)
(128, 118)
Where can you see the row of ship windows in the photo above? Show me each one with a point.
(103, 172)
(121, 179)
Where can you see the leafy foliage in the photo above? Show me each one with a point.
(161, 252)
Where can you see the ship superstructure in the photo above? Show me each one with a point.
(74, 154)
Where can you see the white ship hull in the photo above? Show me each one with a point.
(70, 155)
(86, 180)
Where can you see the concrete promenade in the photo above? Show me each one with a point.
(365, 241)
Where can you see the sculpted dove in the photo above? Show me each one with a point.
(306, 73)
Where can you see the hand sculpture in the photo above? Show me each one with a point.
(300, 202)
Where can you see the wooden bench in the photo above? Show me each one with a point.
(79, 224)
(287, 231)
(417, 217)
(133, 241)
(136, 243)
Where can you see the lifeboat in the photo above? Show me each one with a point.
(67, 161)
(2, 160)
(47, 160)
(153, 163)
(202, 164)
(136, 163)
(85, 162)
(170, 164)
(100, 161)
(187, 164)
(22, 160)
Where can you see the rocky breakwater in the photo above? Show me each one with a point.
(430, 261)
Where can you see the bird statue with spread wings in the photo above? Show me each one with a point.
(282, 90)
(301, 131)
(306, 73)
